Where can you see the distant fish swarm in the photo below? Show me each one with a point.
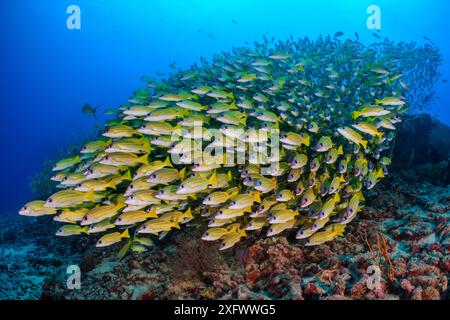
(279, 137)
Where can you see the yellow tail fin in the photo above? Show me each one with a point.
(167, 163)
(213, 179)
(188, 214)
(380, 173)
(146, 145)
(337, 198)
(257, 197)
(152, 213)
(364, 143)
(85, 229)
(182, 173)
(90, 195)
(127, 176)
(229, 176)
(143, 159)
(125, 234)
(340, 151)
(176, 225)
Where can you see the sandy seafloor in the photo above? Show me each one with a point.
(404, 229)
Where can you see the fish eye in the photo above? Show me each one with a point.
(99, 241)
(85, 218)
(153, 176)
(25, 208)
(50, 200)
(295, 162)
(181, 186)
(119, 219)
(131, 186)
(131, 197)
(283, 136)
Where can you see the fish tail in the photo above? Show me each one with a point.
(152, 213)
(364, 144)
(125, 234)
(85, 229)
(257, 197)
(167, 163)
(176, 225)
(90, 195)
(188, 213)
(127, 176)
(355, 115)
(143, 159)
(340, 151)
(193, 196)
(146, 145)
(213, 179)
(229, 176)
(182, 173)
(112, 185)
(377, 101)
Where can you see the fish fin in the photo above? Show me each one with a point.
(355, 115)
(243, 121)
(192, 196)
(213, 179)
(182, 173)
(162, 235)
(257, 197)
(143, 159)
(124, 249)
(167, 163)
(364, 143)
(361, 196)
(380, 173)
(125, 234)
(377, 101)
(341, 178)
(188, 213)
(229, 176)
(340, 151)
(146, 145)
(337, 198)
(112, 185)
(90, 195)
(85, 229)
(176, 225)
(152, 213)
(127, 176)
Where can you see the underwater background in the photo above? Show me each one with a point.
(49, 72)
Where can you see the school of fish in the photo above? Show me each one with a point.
(332, 106)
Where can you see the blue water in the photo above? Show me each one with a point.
(48, 72)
